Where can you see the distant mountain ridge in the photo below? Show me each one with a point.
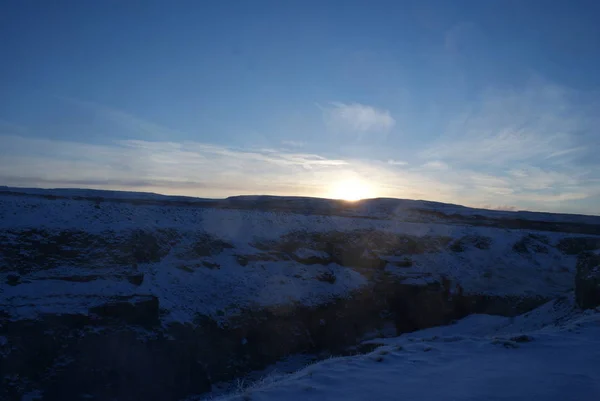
(378, 208)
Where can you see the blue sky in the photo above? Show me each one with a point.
(483, 103)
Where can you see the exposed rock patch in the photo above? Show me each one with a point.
(109, 355)
(141, 310)
(576, 245)
(531, 244)
(479, 242)
(587, 281)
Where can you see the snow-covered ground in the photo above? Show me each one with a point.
(64, 252)
(375, 208)
(551, 353)
(186, 288)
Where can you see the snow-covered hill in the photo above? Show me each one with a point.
(66, 255)
(551, 353)
(186, 292)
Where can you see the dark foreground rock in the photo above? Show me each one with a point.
(587, 280)
(91, 357)
(142, 310)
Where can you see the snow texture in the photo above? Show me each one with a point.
(188, 288)
(551, 353)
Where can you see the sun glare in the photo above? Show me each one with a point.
(351, 190)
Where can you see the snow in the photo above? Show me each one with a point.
(381, 208)
(474, 359)
(310, 253)
(479, 357)
(232, 287)
(183, 294)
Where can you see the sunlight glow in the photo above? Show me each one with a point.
(351, 190)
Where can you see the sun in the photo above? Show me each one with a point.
(351, 190)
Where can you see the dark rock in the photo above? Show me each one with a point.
(406, 262)
(540, 238)
(312, 260)
(505, 343)
(587, 281)
(13, 279)
(457, 246)
(260, 257)
(477, 241)
(347, 247)
(520, 247)
(145, 247)
(530, 243)
(141, 310)
(76, 279)
(576, 245)
(328, 277)
(136, 279)
(523, 338)
(481, 242)
(207, 245)
(120, 365)
(211, 265)
(364, 348)
(357, 257)
(171, 363)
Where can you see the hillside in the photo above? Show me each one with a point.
(549, 354)
(218, 288)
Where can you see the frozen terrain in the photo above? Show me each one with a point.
(551, 353)
(72, 254)
(143, 296)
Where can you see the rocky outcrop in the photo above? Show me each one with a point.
(72, 357)
(576, 245)
(120, 349)
(531, 243)
(119, 352)
(479, 242)
(142, 310)
(587, 280)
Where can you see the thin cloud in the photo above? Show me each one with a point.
(192, 167)
(566, 152)
(436, 165)
(198, 169)
(293, 144)
(7, 127)
(357, 118)
(535, 124)
(531, 147)
(516, 148)
(100, 183)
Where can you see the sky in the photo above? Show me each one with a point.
(484, 103)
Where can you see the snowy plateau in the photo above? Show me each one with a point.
(133, 296)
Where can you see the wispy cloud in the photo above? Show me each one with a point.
(125, 122)
(192, 167)
(357, 118)
(7, 127)
(516, 126)
(293, 144)
(436, 165)
(519, 148)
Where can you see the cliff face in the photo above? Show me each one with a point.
(587, 280)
